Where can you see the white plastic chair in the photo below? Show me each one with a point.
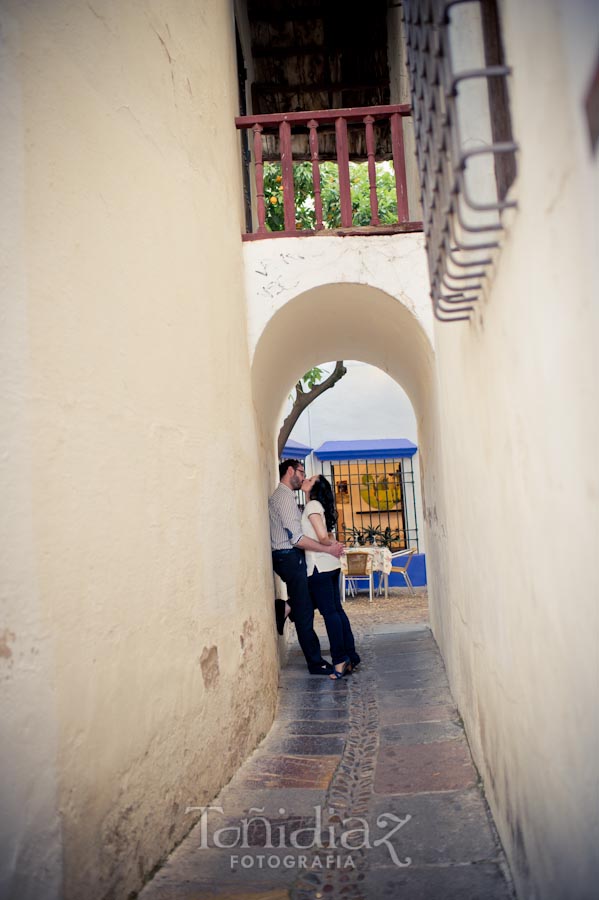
(403, 570)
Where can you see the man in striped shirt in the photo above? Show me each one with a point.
(288, 545)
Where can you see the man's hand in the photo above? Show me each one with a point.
(336, 549)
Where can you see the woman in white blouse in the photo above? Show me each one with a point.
(318, 520)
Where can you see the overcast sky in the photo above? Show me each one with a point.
(366, 403)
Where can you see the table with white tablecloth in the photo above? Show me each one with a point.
(380, 560)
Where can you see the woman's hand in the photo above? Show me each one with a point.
(336, 549)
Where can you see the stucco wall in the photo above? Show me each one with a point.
(137, 643)
(508, 427)
(514, 550)
(331, 297)
(278, 271)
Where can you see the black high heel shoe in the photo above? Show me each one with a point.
(355, 662)
(323, 668)
(280, 615)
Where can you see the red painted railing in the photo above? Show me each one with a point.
(285, 124)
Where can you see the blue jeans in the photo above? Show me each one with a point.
(290, 566)
(326, 597)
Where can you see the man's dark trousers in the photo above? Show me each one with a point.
(290, 566)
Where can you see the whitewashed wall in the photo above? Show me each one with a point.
(360, 298)
(514, 549)
(137, 642)
(507, 417)
(277, 271)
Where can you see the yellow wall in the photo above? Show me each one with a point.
(137, 649)
(512, 547)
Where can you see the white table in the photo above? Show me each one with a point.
(380, 560)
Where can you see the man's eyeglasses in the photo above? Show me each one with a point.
(301, 472)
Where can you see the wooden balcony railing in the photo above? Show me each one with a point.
(289, 138)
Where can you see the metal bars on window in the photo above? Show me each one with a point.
(375, 501)
(459, 154)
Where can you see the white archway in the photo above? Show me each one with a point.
(342, 321)
(354, 321)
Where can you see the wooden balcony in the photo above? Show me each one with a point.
(315, 137)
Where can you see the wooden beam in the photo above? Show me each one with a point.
(355, 114)
(270, 52)
(267, 15)
(266, 87)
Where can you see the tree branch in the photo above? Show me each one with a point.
(303, 400)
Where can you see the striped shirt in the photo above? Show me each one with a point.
(285, 519)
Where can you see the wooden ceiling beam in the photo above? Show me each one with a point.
(269, 16)
(267, 87)
(295, 50)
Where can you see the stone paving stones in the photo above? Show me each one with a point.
(364, 789)
(397, 650)
(426, 661)
(309, 745)
(400, 680)
(431, 837)
(272, 802)
(476, 882)
(290, 771)
(410, 768)
(398, 628)
(396, 715)
(420, 733)
(304, 714)
(322, 726)
(428, 696)
(334, 700)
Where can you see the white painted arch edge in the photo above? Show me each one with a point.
(278, 270)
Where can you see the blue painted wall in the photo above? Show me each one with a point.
(417, 572)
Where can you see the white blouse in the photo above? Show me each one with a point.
(324, 562)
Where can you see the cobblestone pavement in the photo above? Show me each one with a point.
(364, 788)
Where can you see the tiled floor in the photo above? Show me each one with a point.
(364, 789)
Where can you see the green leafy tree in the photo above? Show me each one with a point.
(305, 219)
(304, 197)
(305, 215)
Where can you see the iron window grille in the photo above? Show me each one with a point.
(375, 501)
(465, 151)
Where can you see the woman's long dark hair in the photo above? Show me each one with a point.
(322, 491)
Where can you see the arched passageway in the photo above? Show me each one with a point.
(354, 321)
(343, 321)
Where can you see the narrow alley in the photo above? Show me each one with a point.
(364, 788)
(203, 203)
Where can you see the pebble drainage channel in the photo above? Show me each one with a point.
(349, 794)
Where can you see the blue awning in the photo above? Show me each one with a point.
(385, 448)
(295, 450)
